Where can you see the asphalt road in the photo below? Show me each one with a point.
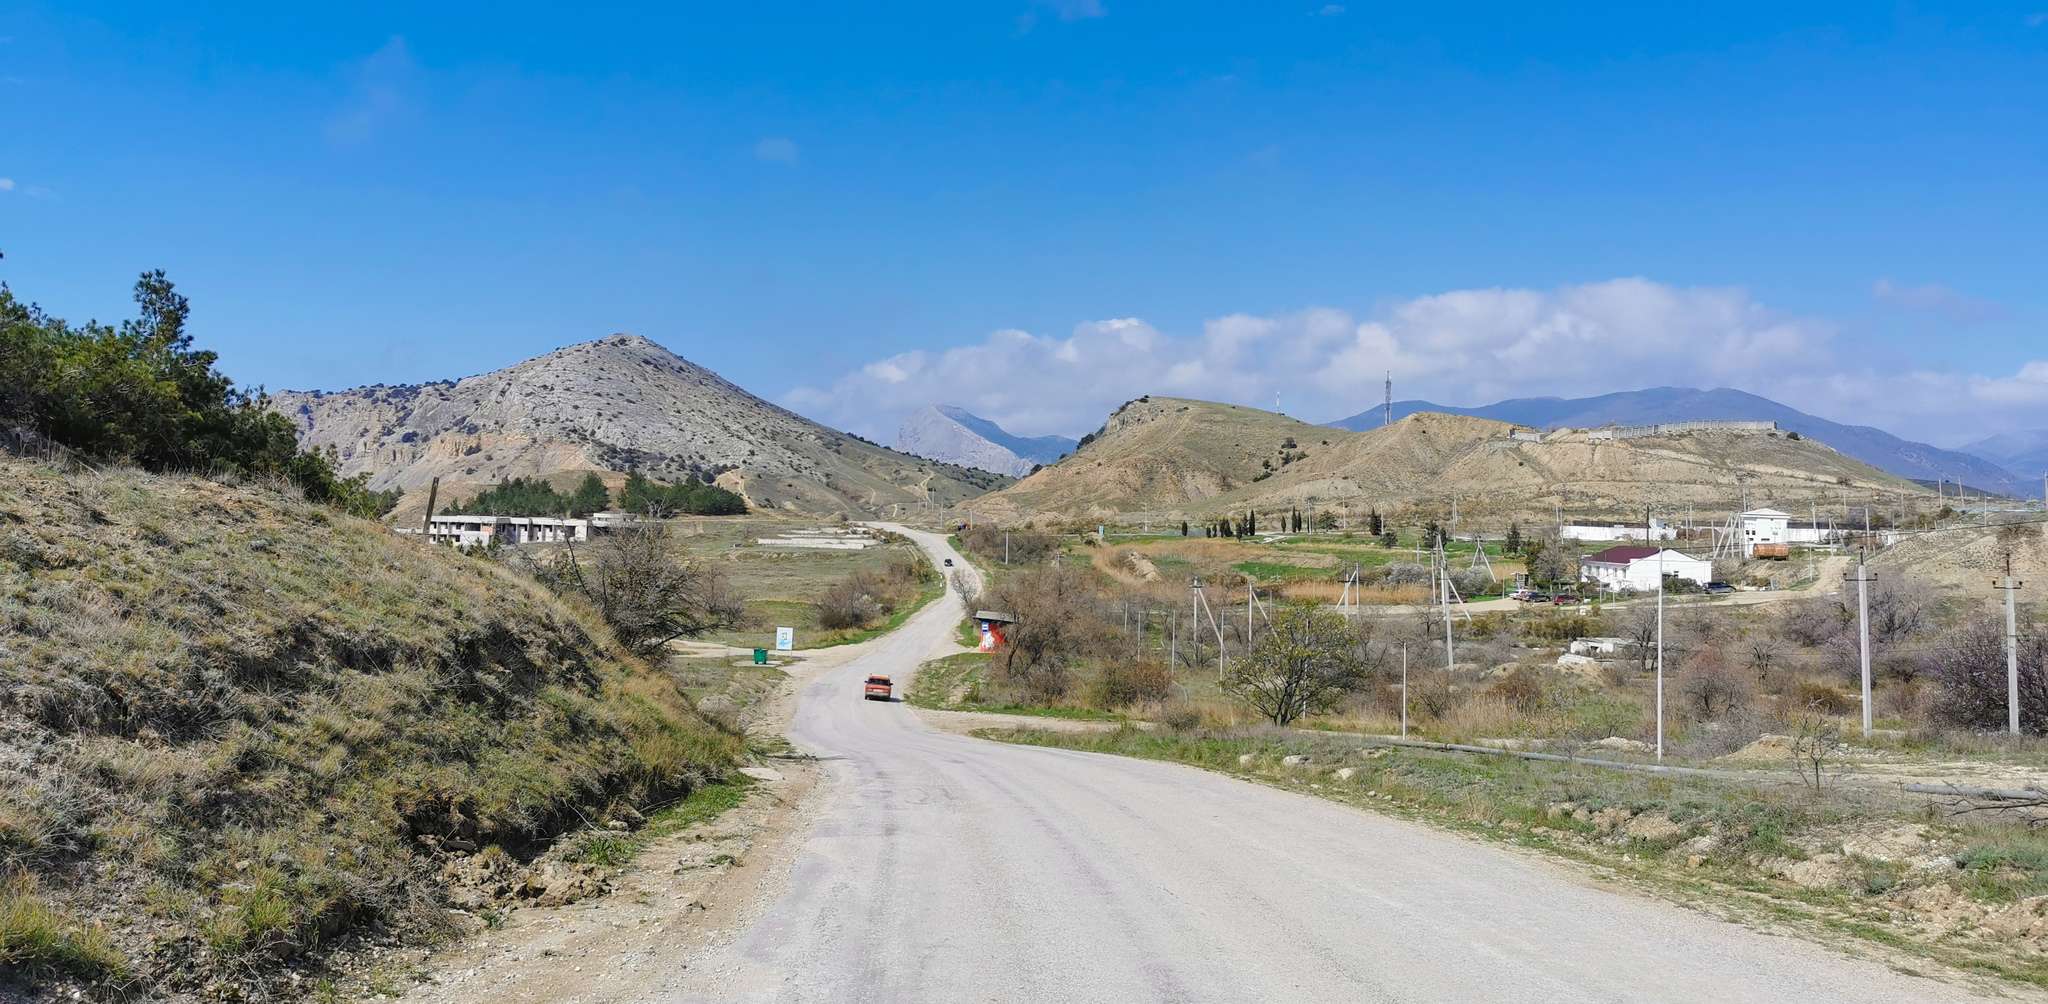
(945, 868)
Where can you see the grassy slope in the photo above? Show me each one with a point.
(1176, 459)
(228, 717)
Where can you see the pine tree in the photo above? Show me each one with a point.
(1514, 543)
(590, 496)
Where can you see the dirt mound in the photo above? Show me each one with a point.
(1766, 749)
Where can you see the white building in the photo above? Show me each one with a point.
(471, 531)
(1598, 646)
(1764, 526)
(1657, 529)
(1635, 568)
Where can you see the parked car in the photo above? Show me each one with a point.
(878, 688)
(1561, 599)
(1524, 595)
(949, 562)
(1717, 588)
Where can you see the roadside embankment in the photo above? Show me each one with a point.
(239, 730)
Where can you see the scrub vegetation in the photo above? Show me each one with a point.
(238, 728)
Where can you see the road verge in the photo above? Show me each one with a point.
(1863, 871)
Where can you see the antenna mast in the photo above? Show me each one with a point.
(1390, 398)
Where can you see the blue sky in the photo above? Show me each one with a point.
(855, 209)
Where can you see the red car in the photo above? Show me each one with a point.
(877, 688)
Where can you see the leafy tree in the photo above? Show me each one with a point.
(1303, 664)
(1514, 542)
(141, 394)
(1551, 566)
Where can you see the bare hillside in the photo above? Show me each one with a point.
(615, 405)
(1171, 459)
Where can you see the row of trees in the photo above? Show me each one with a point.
(141, 394)
(691, 498)
(536, 497)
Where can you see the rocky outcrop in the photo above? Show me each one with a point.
(620, 404)
(955, 436)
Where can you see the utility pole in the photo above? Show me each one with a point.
(1863, 578)
(1404, 690)
(2012, 650)
(1450, 656)
(1390, 400)
(1660, 655)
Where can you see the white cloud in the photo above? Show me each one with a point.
(1467, 347)
(1937, 298)
(1076, 10)
(378, 85)
(1329, 10)
(776, 150)
(6, 184)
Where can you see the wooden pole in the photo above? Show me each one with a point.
(427, 524)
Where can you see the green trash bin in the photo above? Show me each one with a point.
(760, 657)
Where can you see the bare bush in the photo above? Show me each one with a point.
(863, 598)
(1969, 669)
(1058, 621)
(644, 588)
(1814, 740)
(1762, 651)
(1712, 685)
(1812, 623)
(1016, 547)
(1522, 688)
(854, 602)
(1822, 698)
(1119, 684)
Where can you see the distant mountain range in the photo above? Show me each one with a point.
(954, 435)
(2023, 453)
(615, 406)
(1658, 405)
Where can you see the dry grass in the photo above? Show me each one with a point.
(232, 716)
(1331, 592)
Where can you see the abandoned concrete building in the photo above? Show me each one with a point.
(472, 531)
